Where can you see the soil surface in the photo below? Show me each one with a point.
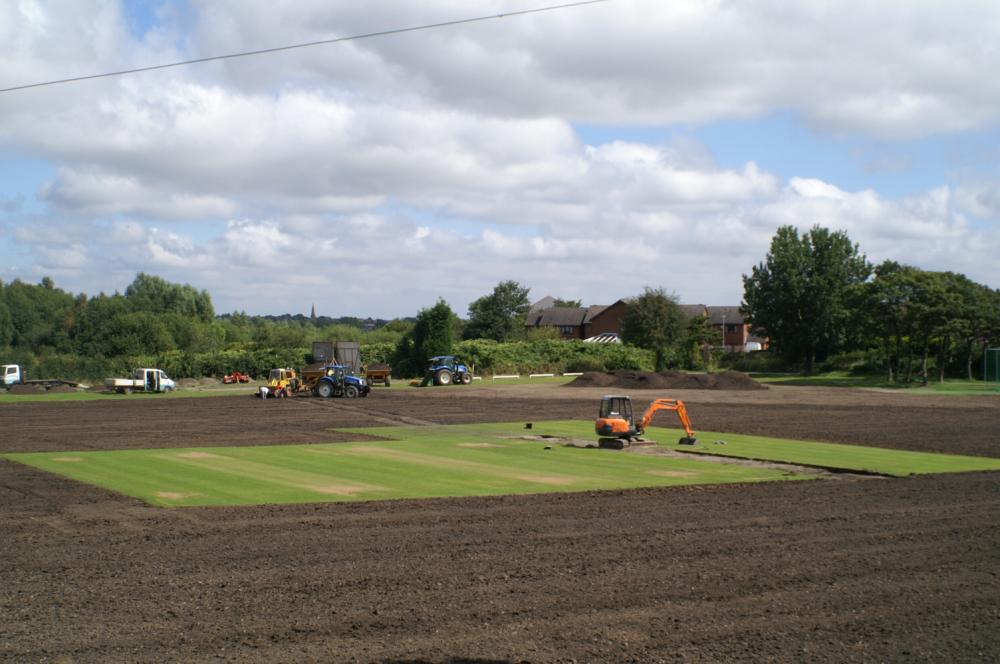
(819, 571)
(675, 380)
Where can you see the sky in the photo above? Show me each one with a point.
(587, 152)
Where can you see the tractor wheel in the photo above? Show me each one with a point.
(324, 389)
(465, 379)
(442, 377)
(350, 391)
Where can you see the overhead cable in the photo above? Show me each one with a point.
(262, 51)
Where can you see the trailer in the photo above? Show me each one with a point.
(378, 373)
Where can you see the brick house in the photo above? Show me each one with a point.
(735, 329)
(586, 322)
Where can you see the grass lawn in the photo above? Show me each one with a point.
(422, 462)
(847, 379)
(456, 460)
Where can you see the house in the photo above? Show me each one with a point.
(568, 320)
(600, 320)
(735, 330)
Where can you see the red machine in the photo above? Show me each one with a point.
(236, 377)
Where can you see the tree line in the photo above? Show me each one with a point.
(818, 298)
(815, 297)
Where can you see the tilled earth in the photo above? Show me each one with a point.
(850, 570)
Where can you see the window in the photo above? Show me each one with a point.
(567, 329)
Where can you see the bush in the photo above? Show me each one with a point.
(756, 362)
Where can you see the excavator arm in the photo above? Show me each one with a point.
(669, 404)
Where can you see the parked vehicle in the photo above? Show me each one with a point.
(13, 374)
(280, 383)
(142, 380)
(447, 369)
(338, 381)
(235, 377)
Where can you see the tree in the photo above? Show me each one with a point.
(559, 302)
(499, 315)
(433, 334)
(654, 321)
(799, 295)
(699, 337)
(159, 296)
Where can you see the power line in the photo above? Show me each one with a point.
(321, 42)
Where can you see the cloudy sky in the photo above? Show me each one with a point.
(585, 152)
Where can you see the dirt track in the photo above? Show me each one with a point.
(886, 570)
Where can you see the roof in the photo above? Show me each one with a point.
(692, 310)
(593, 311)
(561, 316)
(729, 314)
(546, 302)
(606, 338)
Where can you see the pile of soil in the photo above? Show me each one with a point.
(673, 380)
(62, 389)
(26, 389)
(187, 382)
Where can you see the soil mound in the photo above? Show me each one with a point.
(26, 389)
(62, 389)
(674, 380)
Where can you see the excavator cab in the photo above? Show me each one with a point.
(616, 426)
(615, 419)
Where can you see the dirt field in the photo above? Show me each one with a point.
(854, 570)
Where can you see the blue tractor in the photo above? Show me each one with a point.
(338, 381)
(447, 369)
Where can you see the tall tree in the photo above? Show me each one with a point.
(655, 321)
(798, 295)
(158, 296)
(433, 334)
(499, 315)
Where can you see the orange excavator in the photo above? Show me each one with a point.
(617, 428)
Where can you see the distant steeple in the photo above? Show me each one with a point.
(312, 316)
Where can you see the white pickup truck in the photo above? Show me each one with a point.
(142, 380)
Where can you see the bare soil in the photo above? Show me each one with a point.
(818, 571)
(673, 380)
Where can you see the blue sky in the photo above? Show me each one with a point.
(437, 163)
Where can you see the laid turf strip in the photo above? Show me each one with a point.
(421, 462)
(457, 460)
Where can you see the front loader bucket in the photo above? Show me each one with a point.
(687, 440)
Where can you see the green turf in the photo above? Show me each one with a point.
(952, 386)
(457, 460)
(465, 460)
(831, 455)
(824, 455)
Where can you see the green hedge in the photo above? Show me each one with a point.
(486, 357)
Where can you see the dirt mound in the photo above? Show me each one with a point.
(673, 380)
(26, 389)
(62, 389)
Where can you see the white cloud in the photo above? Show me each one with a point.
(376, 175)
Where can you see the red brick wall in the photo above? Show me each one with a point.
(609, 320)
